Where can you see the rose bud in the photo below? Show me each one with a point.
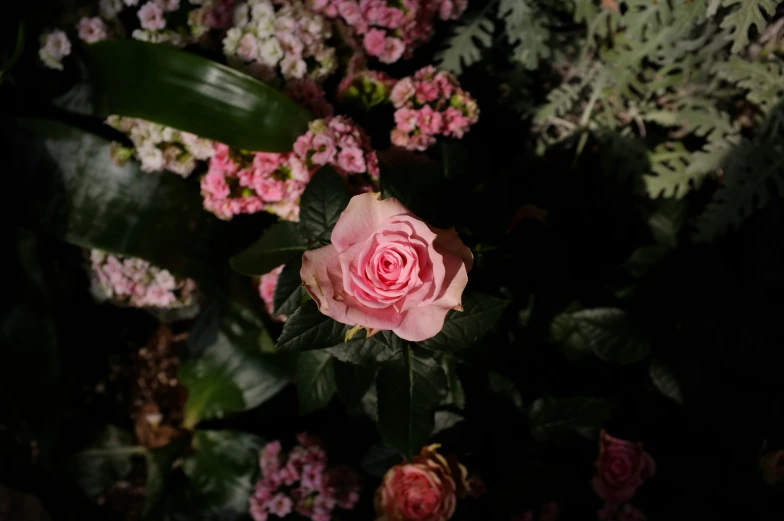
(621, 468)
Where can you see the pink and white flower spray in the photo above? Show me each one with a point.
(54, 47)
(135, 282)
(163, 148)
(300, 481)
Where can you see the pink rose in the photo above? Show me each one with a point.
(386, 269)
(426, 489)
(621, 468)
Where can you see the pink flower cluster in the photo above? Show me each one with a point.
(135, 282)
(161, 148)
(243, 182)
(267, 287)
(152, 21)
(300, 482)
(365, 88)
(289, 40)
(339, 142)
(430, 103)
(211, 14)
(390, 29)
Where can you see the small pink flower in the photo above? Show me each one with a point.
(151, 17)
(215, 183)
(427, 91)
(393, 50)
(349, 10)
(421, 142)
(247, 48)
(280, 505)
(269, 460)
(430, 121)
(406, 119)
(352, 160)
(402, 92)
(168, 5)
(269, 282)
(92, 30)
(324, 143)
(267, 162)
(399, 138)
(375, 42)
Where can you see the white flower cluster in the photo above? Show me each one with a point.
(163, 148)
(291, 39)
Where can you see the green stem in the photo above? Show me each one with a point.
(20, 38)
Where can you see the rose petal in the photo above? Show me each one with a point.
(315, 278)
(421, 323)
(362, 217)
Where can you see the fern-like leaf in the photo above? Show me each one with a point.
(754, 172)
(748, 13)
(764, 81)
(526, 26)
(463, 47)
(670, 165)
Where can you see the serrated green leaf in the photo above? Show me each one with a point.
(289, 292)
(463, 328)
(185, 91)
(222, 470)
(763, 80)
(107, 461)
(369, 352)
(409, 388)
(550, 418)
(664, 380)
(280, 243)
(672, 178)
(225, 370)
(308, 328)
(315, 375)
(608, 332)
(380, 458)
(747, 14)
(753, 173)
(325, 198)
(461, 48)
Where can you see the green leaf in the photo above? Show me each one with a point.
(325, 198)
(461, 47)
(608, 332)
(463, 328)
(500, 384)
(352, 381)
(663, 378)
(380, 458)
(289, 292)
(754, 175)
(666, 222)
(456, 395)
(308, 328)
(225, 370)
(160, 466)
(368, 352)
(107, 461)
(409, 388)
(185, 91)
(315, 375)
(80, 195)
(553, 417)
(748, 13)
(223, 469)
(280, 243)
